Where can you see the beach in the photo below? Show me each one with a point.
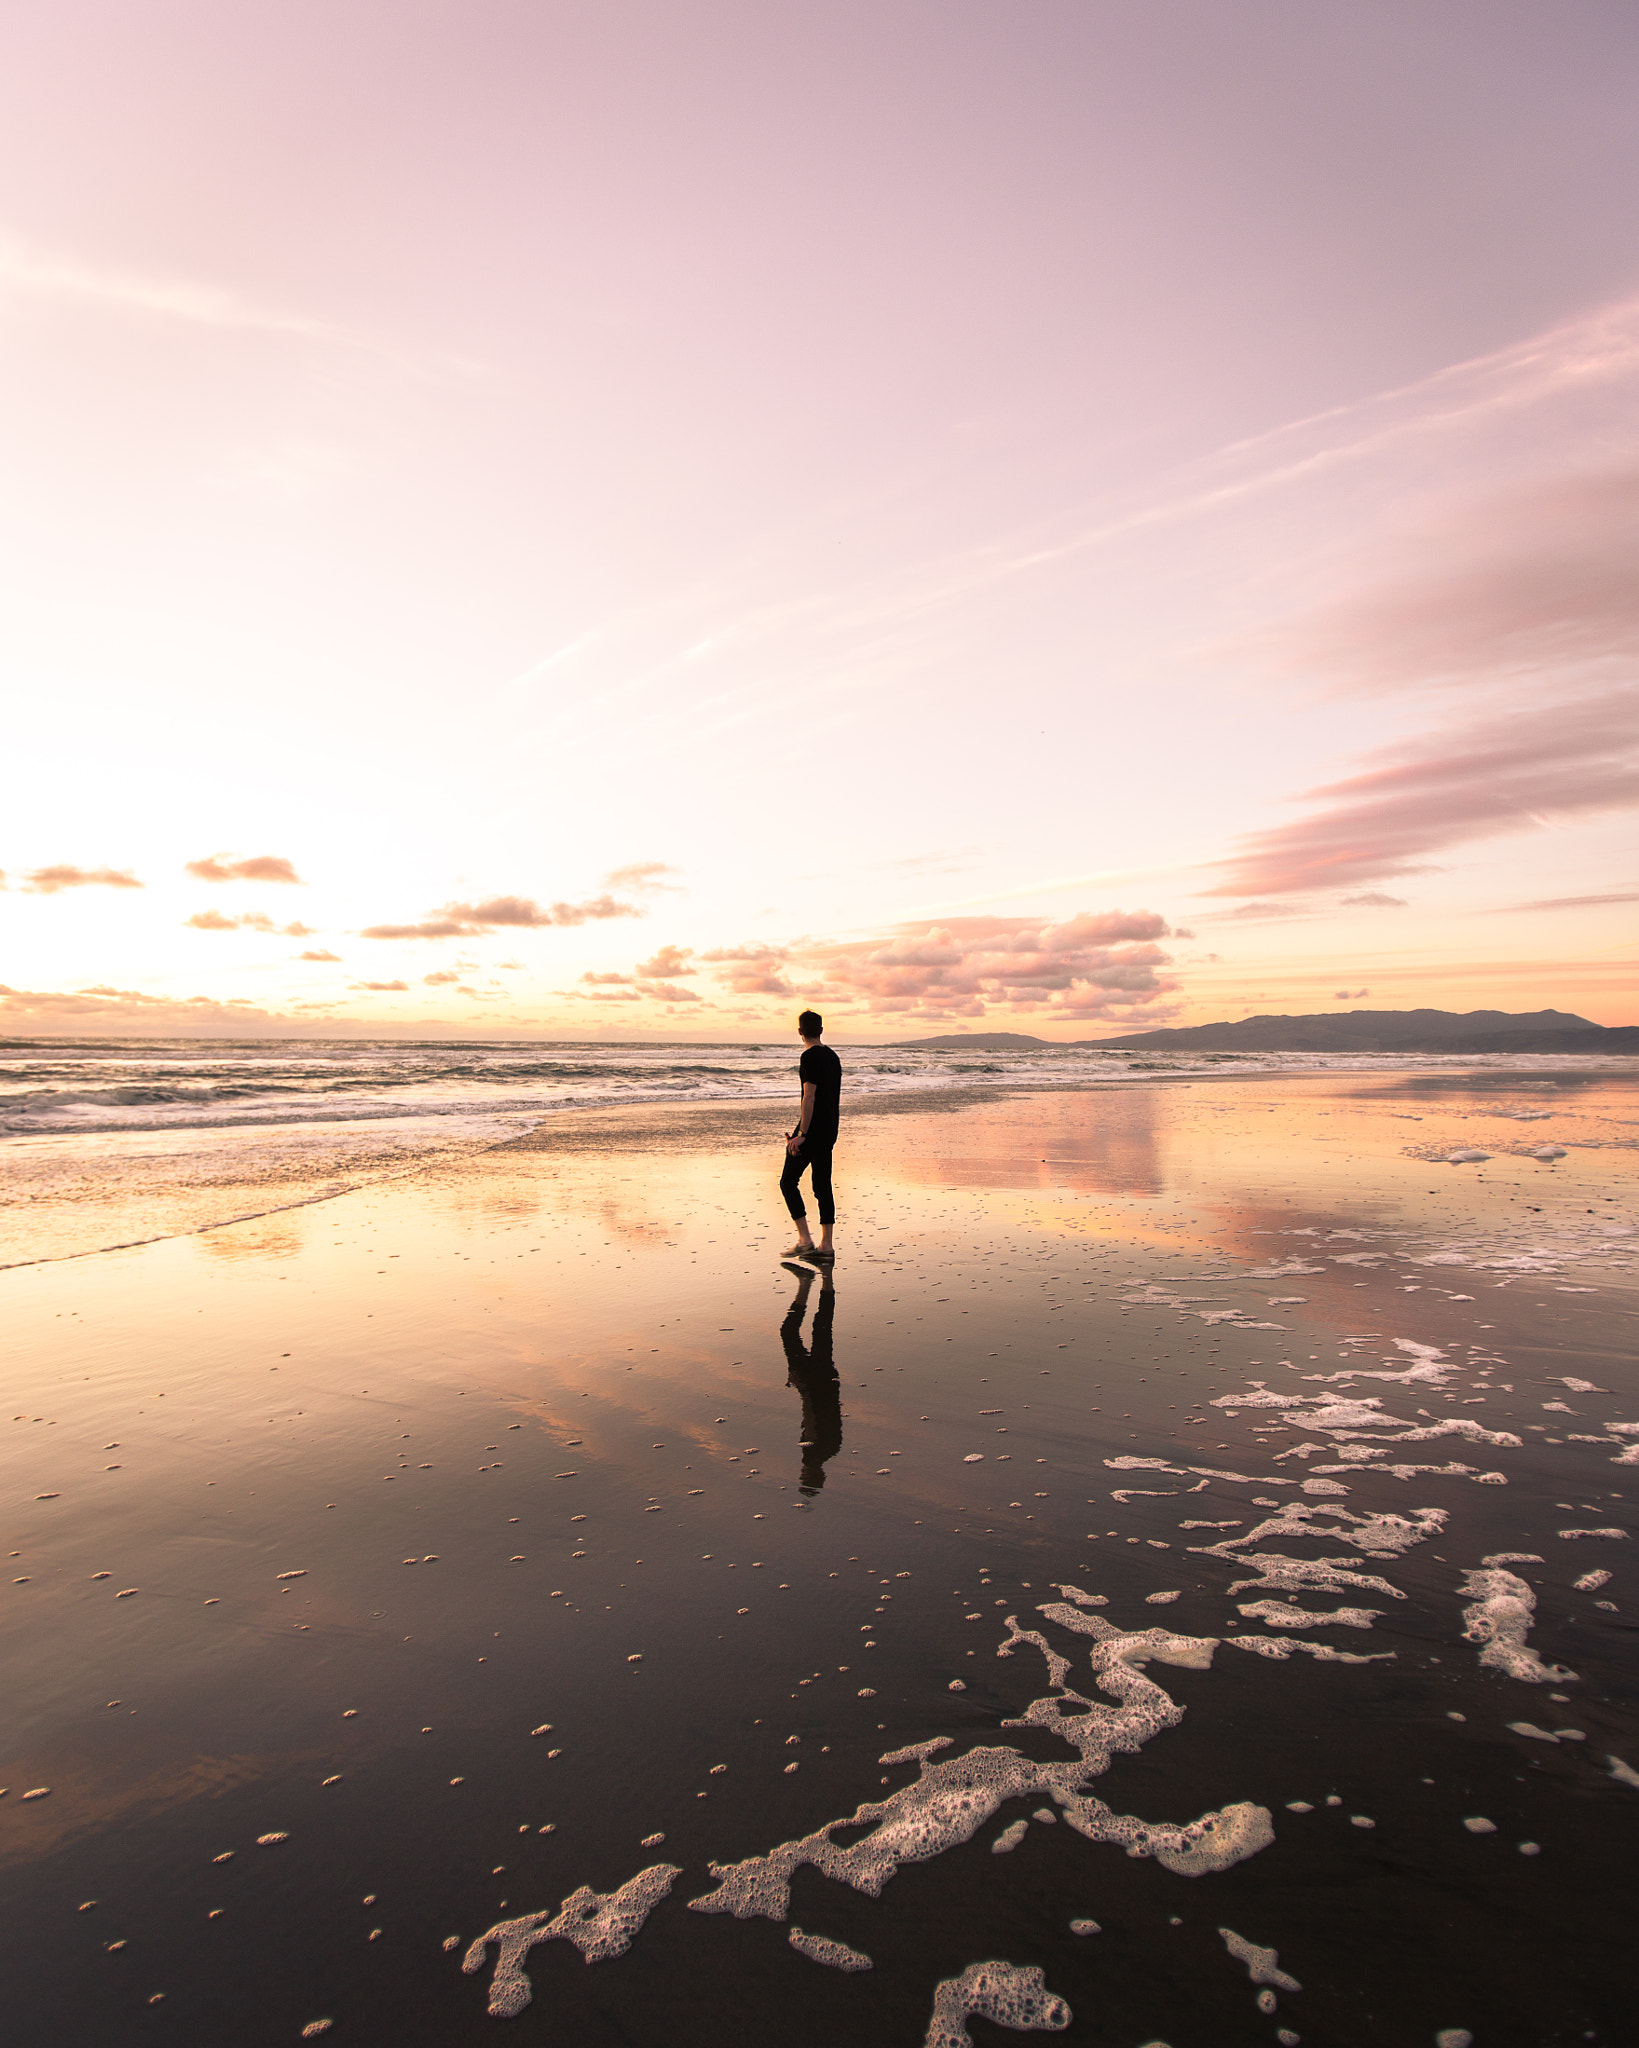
(1184, 1550)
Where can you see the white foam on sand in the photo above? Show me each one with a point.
(1345, 1420)
(1380, 1535)
(1276, 1614)
(1499, 1619)
(1280, 1648)
(1262, 1964)
(1281, 1574)
(954, 1797)
(836, 1955)
(1590, 1582)
(600, 1924)
(1002, 1992)
(914, 1752)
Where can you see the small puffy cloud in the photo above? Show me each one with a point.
(509, 966)
(381, 988)
(666, 963)
(442, 980)
(608, 980)
(1259, 913)
(751, 970)
(250, 921)
(318, 956)
(472, 920)
(1182, 932)
(1374, 899)
(757, 951)
(642, 874)
(432, 928)
(668, 992)
(1349, 995)
(262, 867)
(756, 981)
(49, 881)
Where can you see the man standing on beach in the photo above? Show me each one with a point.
(811, 1143)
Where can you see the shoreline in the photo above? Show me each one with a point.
(144, 1178)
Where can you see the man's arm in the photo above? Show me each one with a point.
(807, 1117)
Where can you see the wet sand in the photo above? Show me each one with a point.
(316, 1519)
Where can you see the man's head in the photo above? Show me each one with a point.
(811, 1024)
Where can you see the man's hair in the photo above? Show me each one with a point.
(811, 1024)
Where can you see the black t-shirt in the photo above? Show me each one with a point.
(820, 1065)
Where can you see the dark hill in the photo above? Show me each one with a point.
(1382, 1031)
(974, 1041)
(1420, 1031)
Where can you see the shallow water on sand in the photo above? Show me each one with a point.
(387, 1569)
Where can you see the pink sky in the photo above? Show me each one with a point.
(601, 520)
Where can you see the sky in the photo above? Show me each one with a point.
(532, 517)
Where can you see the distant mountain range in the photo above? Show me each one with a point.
(1476, 1031)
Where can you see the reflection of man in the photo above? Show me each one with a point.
(812, 1373)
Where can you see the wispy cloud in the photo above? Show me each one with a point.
(61, 275)
(1473, 781)
(1373, 899)
(49, 881)
(56, 1008)
(642, 874)
(319, 955)
(1537, 578)
(261, 867)
(471, 920)
(381, 988)
(1571, 902)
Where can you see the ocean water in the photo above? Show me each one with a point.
(90, 1088)
(109, 1142)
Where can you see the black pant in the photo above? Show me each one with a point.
(819, 1158)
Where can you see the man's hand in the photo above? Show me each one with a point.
(793, 1144)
